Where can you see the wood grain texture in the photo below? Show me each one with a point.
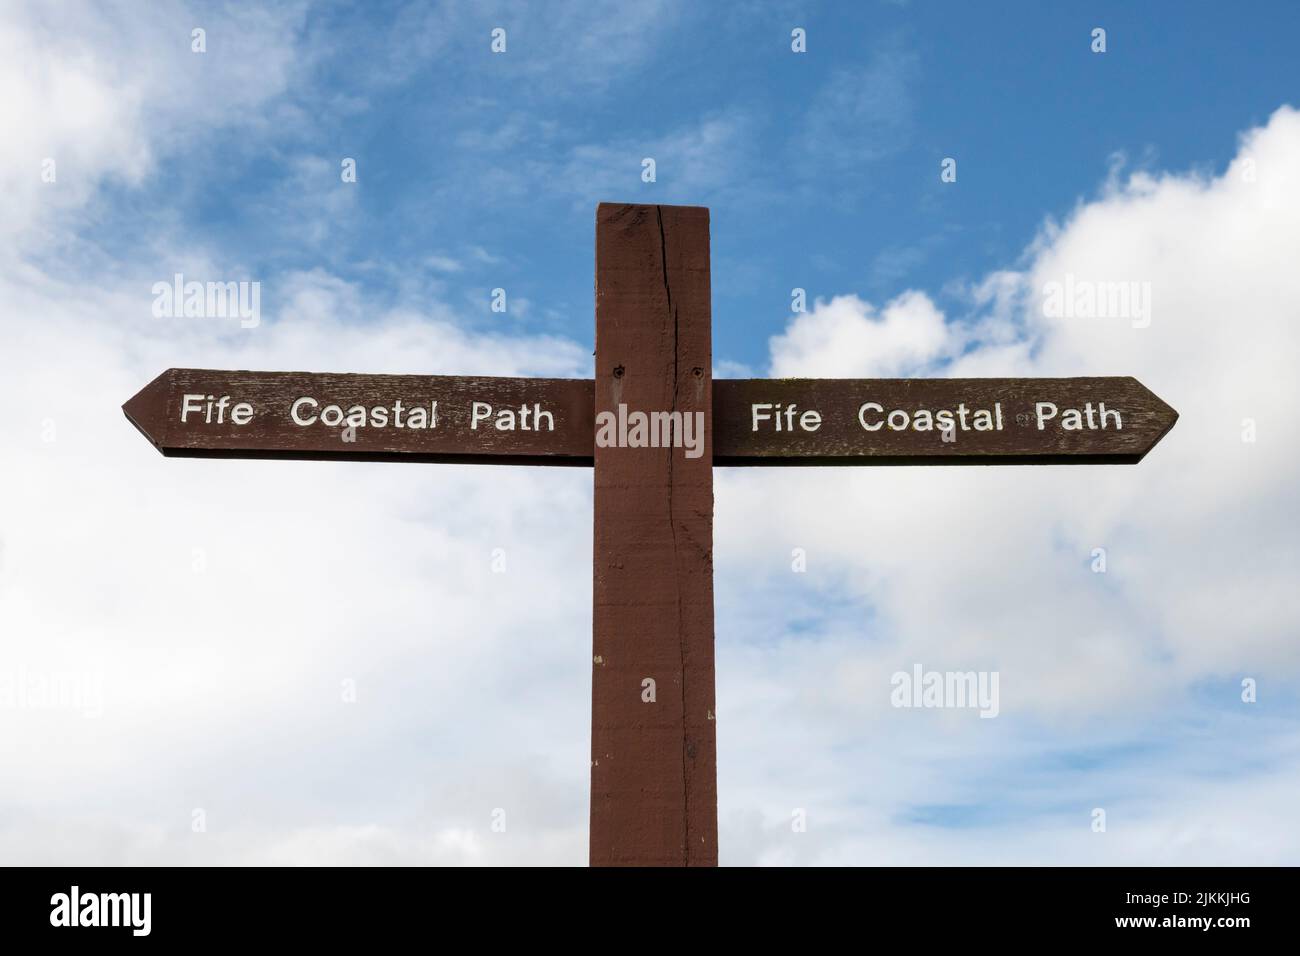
(840, 438)
(654, 773)
(272, 433)
(1128, 418)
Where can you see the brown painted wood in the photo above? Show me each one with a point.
(1134, 420)
(653, 774)
(271, 432)
(839, 438)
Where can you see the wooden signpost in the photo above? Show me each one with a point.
(653, 424)
(201, 413)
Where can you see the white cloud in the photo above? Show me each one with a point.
(104, 92)
(223, 603)
(993, 563)
(848, 338)
(219, 609)
(989, 568)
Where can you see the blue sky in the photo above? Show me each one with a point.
(1169, 159)
(821, 169)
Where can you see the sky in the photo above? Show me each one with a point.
(305, 662)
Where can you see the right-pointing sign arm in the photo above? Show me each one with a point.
(935, 421)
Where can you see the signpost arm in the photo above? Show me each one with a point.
(653, 747)
(654, 792)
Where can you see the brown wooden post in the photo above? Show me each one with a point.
(654, 795)
(653, 751)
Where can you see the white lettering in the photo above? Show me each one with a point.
(293, 411)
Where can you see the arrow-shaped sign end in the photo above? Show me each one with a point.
(147, 409)
(1163, 413)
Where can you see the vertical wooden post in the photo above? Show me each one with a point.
(654, 793)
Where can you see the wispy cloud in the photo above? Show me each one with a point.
(217, 599)
(859, 115)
